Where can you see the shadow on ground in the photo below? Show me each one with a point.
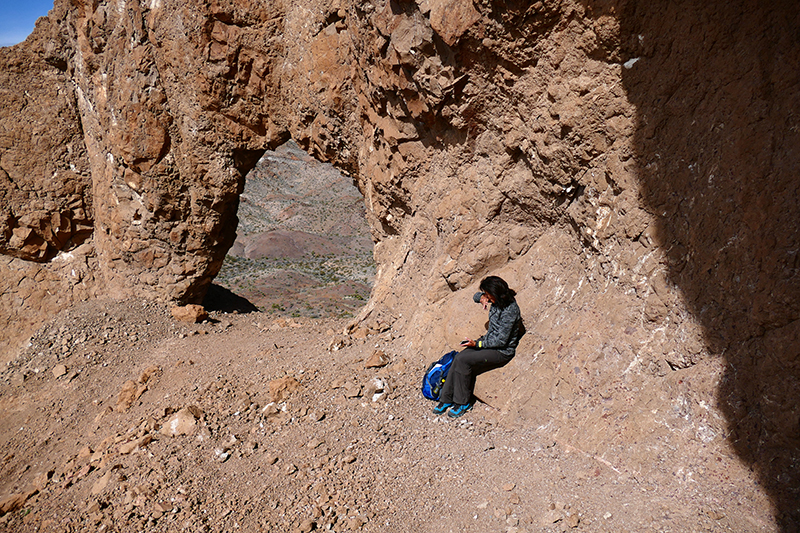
(718, 151)
(219, 298)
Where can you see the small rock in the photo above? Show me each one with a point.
(348, 459)
(59, 370)
(221, 454)
(338, 342)
(270, 410)
(281, 389)
(128, 447)
(129, 393)
(203, 434)
(306, 526)
(316, 415)
(375, 389)
(573, 520)
(182, 423)
(192, 313)
(149, 371)
(377, 360)
(14, 502)
(508, 487)
(41, 481)
(290, 469)
(550, 517)
(360, 333)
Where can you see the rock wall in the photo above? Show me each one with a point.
(630, 168)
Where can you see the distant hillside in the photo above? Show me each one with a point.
(303, 245)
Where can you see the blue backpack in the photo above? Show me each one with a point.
(434, 377)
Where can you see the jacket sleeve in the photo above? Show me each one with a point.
(501, 326)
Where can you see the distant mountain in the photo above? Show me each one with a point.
(303, 245)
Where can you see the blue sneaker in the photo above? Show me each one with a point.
(441, 408)
(459, 410)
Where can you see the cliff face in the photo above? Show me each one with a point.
(629, 167)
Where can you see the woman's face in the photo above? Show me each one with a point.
(490, 297)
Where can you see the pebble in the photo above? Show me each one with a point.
(316, 415)
(271, 458)
(306, 526)
(550, 517)
(222, 456)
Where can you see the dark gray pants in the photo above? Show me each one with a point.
(466, 366)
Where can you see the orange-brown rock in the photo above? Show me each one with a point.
(189, 313)
(630, 167)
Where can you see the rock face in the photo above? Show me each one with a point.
(630, 167)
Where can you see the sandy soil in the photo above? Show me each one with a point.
(283, 434)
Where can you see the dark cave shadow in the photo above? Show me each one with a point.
(219, 298)
(717, 151)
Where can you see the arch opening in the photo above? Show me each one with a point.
(303, 246)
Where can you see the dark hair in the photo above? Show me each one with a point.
(498, 289)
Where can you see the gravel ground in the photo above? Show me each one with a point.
(277, 432)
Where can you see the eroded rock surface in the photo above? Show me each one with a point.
(629, 167)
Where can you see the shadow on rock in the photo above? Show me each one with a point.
(221, 299)
(717, 146)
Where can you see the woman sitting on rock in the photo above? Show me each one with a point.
(493, 350)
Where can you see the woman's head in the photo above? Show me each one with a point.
(498, 289)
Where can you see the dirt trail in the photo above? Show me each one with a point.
(282, 434)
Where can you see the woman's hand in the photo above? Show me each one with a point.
(468, 343)
(485, 301)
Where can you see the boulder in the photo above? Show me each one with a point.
(191, 313)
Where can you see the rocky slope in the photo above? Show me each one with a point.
(119, 418)
(630, 167)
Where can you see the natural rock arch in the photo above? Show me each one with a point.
(552, 142)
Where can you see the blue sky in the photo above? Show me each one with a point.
(17, 18)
